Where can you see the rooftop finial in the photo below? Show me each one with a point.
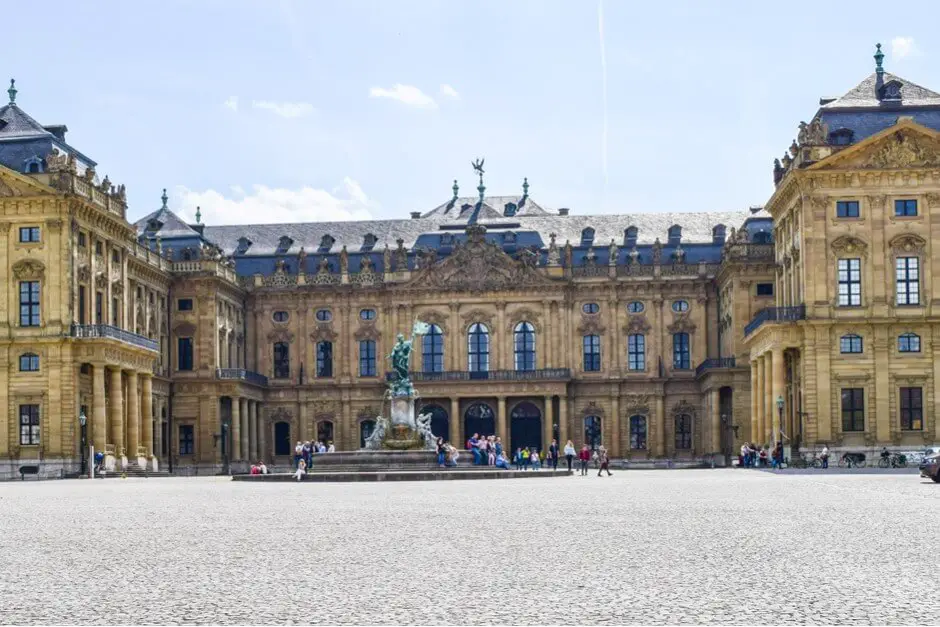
(12, 91)
(164, 198)
(456, 189)
(879, 57)
(478, 168)
(198, 216)
(525, 187)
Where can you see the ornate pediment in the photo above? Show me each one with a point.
(849, 245)
(367, 413)
(904, 148)
(367, 331)
(280, 335)
(184, 329)
(637, 324)
(478, 266)
(591, 325)
(84, 273)
(592, 409)
(633, 403)
(280, 414)
(682, 324)
(908, 243)
(478, 315)
(523, 314)
(684, 407)
(28, 270)
(433, 317)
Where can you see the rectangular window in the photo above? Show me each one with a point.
(367, 358)
(184, 357)
(29, 425)
(99, 249)
(29, 234)
(281, 360)
(638, 432)
(853, 409)
(905, 208)
(909, 343)
(184, 304)
(187, 444)
(850, 344)
(850, 282)
(912, 409)
(81, 305)
(99, 307)
(765, 289)
(681, 353)
(592, 353)
(29, 362)
(846, 208)
(324, 359)
(82, 242)
(29, 303)
(636, 352)
(907, 274)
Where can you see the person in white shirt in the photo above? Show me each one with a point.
(570, 453)
(332, 448)
(301, 470)
(824, 456)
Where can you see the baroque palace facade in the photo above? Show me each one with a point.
(661, 336)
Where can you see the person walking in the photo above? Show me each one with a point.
(584, 457)
(604, 461)
(570, 453)
(553, 453)
(824, 456)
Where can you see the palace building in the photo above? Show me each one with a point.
(201, 347)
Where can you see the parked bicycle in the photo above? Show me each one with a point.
(804, 462)
(852, 460)
(893, 461)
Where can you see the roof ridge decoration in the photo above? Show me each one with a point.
(12, 91)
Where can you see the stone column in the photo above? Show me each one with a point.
(236, 429)
(768, 399)
(613, 429)
(715, 409)
(778, 380)
(244, 428)
(99, 418)
(117, 413)
(146, 412)
(659, 445)
(133, 415)
(563, 420)
(253, 430)
(547, 423)
(754, 400)
(501, 430)
(758, 390)
(455, 422)
(157, 418)
(262, 434)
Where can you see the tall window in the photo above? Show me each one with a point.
(99, 307)
(908, 343)
(905, 208)
(846, 208)
(432, 350)
(683, 432)
(681, 353)
(116, 312)
(524, 346)
(29, 362)
(912, 409)
(592, 353)
(637, 432)
(478, 351)
(186, 440)
(367, 358)
(29, 425)
(81, 304)
(184, 356)
(636, 351)
(324, 359)
(850, 343)
(908, 280)
(853, 409)
(29, 303)
(281, 360)
(592, 431)
(850, 282)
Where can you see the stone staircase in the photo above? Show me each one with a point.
(133, 470)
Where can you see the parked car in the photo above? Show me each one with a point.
(930, 467)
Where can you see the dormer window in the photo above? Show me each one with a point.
(718, 234)
(243, 244)
(841, 137)
(763, 237)
(629, 236)
(33, 165)
(326, 243)
(675, 234)
(891, 90)
(587, 237)
(447, 239)
(510, 209)
(284, 244)
(509, 238)
(368, 241)
(154, 225)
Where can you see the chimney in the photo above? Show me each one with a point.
(824, 101)
(57, 130)
(563, 211)
(415, 215)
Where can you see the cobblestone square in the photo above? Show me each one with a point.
(707, 546)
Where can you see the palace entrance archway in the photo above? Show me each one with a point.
(478, 418)
(525, 427)
(440, 421)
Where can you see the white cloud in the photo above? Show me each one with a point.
(449, 92)
(284, 109)
(231, 103)
(408, 94)
(267, 205)
(902, 47)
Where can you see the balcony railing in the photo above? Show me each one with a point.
(775, 314)
(489, 375)
(240, 374)
(114, 333)
(714, 362)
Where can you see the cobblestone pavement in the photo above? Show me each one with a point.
(698, 546)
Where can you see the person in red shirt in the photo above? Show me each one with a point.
(584, 456)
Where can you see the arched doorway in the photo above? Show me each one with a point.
(325, 432)
(683, 433)
(592, 431)
(282, 445)
(525, 427)
(366, 427)
(478, 419)
(440, 422)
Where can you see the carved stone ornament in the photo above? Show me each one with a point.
(280, 335)
(478, 315)
(591, 325)
(323, 333)
(633, 403)
(325, 274)
(592, 409)
(684, 407)
(657, 252)
(637, 324)
(6, 190)
(849, 245)
(820, 203)
(433, 317)
(523, 314)
(117, 287)
(682, 324)
(84, 273)
(478, 266)
(908, 243)
(816, 133)
(280, 414)
(933, 200)
(554, 256)
(367, 331)
(903, 150)
(28, 270)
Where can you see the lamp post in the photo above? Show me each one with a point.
(780, 421)
(83, 423)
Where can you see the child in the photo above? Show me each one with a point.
(536, 462)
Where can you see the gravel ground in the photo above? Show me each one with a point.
(697, 546)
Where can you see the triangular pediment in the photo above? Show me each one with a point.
(13, 183)
(904, 145)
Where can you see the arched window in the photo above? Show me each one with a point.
(675, 234)
(281, 360)
(592, 353)
(636, 351)
(432, 350)
(592, 431)
(478, 350)
(29, 362)
(629, 236)
(324, 359)
(683, 432)
(366, 427)
(325, 432)
(587, 237)
(638, 433)
(681, 351)
(850, 343)
(478, 419)
(440, 421)
(524, 346)
(908, 343)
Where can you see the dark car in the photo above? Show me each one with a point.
(930, 467)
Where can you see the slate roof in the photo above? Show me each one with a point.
(494, 206)
(865, 95)
(17, 124)
(172, 225)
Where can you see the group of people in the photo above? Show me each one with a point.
(304, 451)
(761, 456)
(489, 451)
(259, 468)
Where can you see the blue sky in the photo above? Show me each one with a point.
(291, 110)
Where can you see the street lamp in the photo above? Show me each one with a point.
(780, 415)
(83, 421)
